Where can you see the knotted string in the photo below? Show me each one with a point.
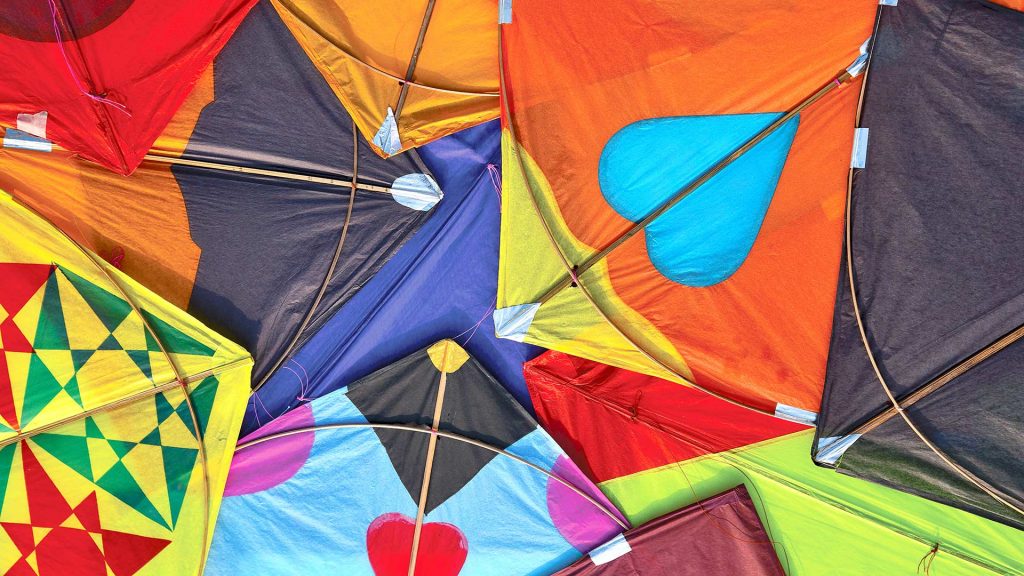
(55, 16)
(495, 174)
(926, 562)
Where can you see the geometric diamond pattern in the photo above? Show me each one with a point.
(54, 326)
(117, 492)
(58, 532)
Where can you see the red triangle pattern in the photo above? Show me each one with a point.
(21, 282)
(72, 551)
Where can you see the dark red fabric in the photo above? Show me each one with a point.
(614, 422)
(718, 536)
(143, 54)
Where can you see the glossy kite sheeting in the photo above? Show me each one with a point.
(104, 88)
(440, 283)
(371, 55)
(731, 289)
(105, 463)
(246, 252)
(372, 476)
(692, 541)
(821, 523)
(935, 242)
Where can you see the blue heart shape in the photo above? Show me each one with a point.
(705, 238)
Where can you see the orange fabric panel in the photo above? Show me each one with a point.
(765, 330)
(659, 59)
(363, 50)
(139, 221)
(577, 77)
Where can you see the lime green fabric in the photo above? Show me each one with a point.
(824, 523)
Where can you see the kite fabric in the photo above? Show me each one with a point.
(687, 445)
(692, 541)
(430, 445)
(409, 71)
(610, 118)
(118, 415)
(94, 75)
(936, 241)
(440, 284)
(259, 245)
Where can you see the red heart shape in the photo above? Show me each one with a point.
(442, 550)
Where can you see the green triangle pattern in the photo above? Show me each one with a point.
(91, 429)
(122, 485)
(80, 357)
(153, 438)
(6, 463)
(175, 340)
(71, 450)
(110, 343)
(51, 333)
(110, 309)
(120, 447)
(164, 410)
(179, 463)
(72, 389)
(141, 359)
(40, 389)
(203, 398)
(151, 343)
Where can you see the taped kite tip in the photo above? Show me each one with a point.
(513, 322)
(447, 356)
(861, 62)
(387, 138)
(832, 448)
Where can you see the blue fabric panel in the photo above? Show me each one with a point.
(440, 284)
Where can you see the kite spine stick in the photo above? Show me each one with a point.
(330, 269)
(404, 92)
(387, 74)
(179, 381)
(897, 407)
(943, 379)
(451, 436)
(428, 468)
(574, 272)
(694, 185)
(263, 172)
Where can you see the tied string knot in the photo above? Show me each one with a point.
(634, 409)
(926, 562)
(101, 98)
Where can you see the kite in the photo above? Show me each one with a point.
(673, 202)
(93, 75)
(409, 71)
(762, 243)
(687, 445)
(390, 474)
(923, 382)
(692, 541)
(280, 233)
(118, 415)
(440, 284)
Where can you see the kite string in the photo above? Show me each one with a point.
(926, 561)
(55, 18)
(473, 329)
(495, 174)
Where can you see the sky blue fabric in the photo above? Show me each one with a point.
(705, 238)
